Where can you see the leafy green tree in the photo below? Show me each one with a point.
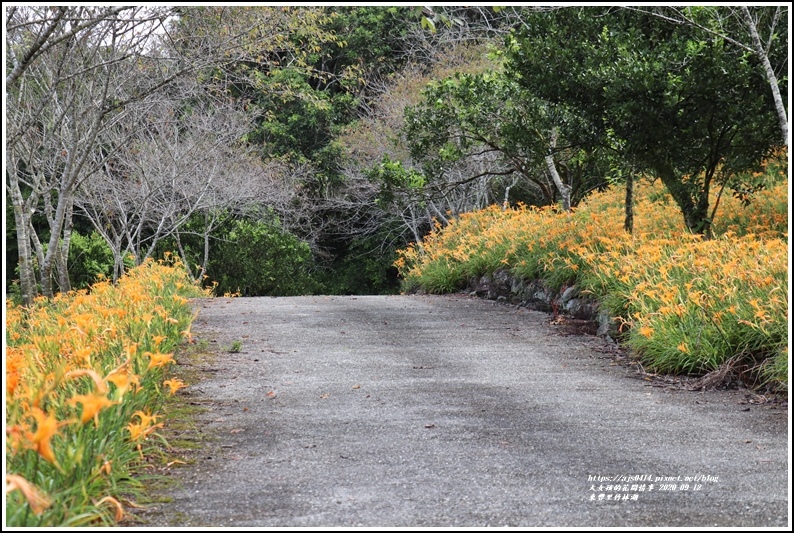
(684, 104)
(760, 30)
(490, 120)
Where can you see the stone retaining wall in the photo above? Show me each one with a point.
(537, 295)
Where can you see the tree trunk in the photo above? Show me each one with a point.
(62, 259)
(206, 258)
(694, 207)
(57, 225)
(183, 256)
(565, 190)
(118, 265)
(27, 276)
(770, 73)
(628, 223)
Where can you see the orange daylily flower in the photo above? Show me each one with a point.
(92, 405)
(82, 356)
(142, 429)
(122, 379)
(36, 499)
(131, 350)
(159, 359)
(146, 419)
(46, 428)
(174, 384)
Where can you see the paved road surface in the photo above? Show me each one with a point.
(451, 411)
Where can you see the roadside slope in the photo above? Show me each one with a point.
(449, 411)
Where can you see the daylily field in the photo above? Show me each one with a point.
(682, 303)
(86, 375)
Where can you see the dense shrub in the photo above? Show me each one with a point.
(90, 258)
(258, 258)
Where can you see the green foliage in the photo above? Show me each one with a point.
(258, 258)
(392, 176)
(685, 105)
(302, 105)
(296, 119)
(364, 265)
(90, 257)
(774, 371)
(373, 40)
(466, 116)
(236, 347)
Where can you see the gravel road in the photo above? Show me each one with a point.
(430, 411)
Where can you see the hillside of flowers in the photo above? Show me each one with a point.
(683, 304)
(86, 376)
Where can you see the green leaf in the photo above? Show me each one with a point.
(428, 24)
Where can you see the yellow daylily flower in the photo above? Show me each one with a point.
(159, 359)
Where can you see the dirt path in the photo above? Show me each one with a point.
(448, 411)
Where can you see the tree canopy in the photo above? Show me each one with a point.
(684, 104)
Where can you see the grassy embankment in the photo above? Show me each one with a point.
(86, 379)
(683, 304)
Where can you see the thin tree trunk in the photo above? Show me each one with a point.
(183, 256)
(27, 276)
(565, 190)
(628, 223)
(770, 73)
(206, 257)
(118, 265)
(62, 260)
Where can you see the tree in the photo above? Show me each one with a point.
(684, 104)
(743, 27)
(472, 117)
(75, 72)
(177, 156)
(384, 184)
